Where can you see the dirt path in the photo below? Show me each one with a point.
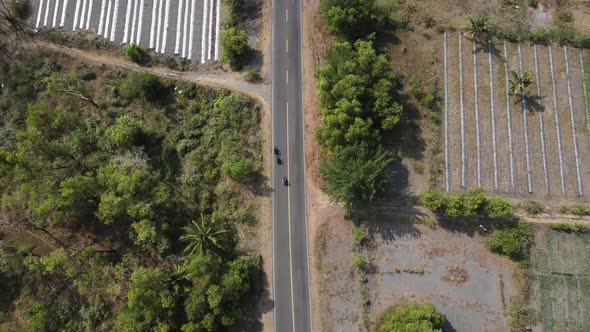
(259, 91)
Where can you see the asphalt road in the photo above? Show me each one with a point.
(290, 265)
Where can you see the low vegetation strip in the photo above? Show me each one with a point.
(473, 204)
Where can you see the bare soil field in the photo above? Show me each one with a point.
(451, 267)
(564, 133)
(560, 284)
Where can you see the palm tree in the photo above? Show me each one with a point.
(207, 235)
(477, 26)
(520, 82)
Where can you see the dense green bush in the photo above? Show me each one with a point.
(234, 43)
(565, 227)
(474, 203)
(135, 53)
(513, 240)
(414, 317)
(353, 19)
(142, 86)
(357, 174)
(357, 90)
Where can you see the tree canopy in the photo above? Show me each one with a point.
(412, 317)
(357, 90)
(353, 19)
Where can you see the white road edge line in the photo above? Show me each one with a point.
(585, 91)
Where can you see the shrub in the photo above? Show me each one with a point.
(580, 209)
(141, 85)
(358, 236)
(360, 262)
(433, 200)
(568, 228)
(135, 53)
(234, 43)
(252, 74)
(239, 169)
(421, 317)
(428, 21)
(513, 240)
(532, 207)
(474, 203)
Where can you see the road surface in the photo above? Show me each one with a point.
(290, 265)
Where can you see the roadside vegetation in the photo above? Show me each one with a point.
(410, 316)
(234, 38)
(358, 92)
(473, 204)
(121, 199)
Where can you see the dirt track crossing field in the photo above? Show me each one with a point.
(538, 145)
(186, 28)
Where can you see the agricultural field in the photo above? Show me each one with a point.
(560, 266)
(537, 145)
(186, 28)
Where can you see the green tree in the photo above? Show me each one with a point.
(239, 168)
(520, 82)
(357, 174)
(68, 84)
(234, 43)
(150, 302)
(353, 19)
(126, 131)
(142, 86)
(512, 240)
(209, 235)
(412, 317)
(478, 26)
(357, 94)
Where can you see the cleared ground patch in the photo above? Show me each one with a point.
(537, 145)
(560, 280)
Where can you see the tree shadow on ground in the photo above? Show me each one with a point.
(256, 306)
(472, 225)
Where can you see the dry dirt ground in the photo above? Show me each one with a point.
(451, 267)
(560, 286)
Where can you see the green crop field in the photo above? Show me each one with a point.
(560, 266)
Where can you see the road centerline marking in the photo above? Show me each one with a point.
(287, 76)
(286, 45)
(286, 15)
(289, 221)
